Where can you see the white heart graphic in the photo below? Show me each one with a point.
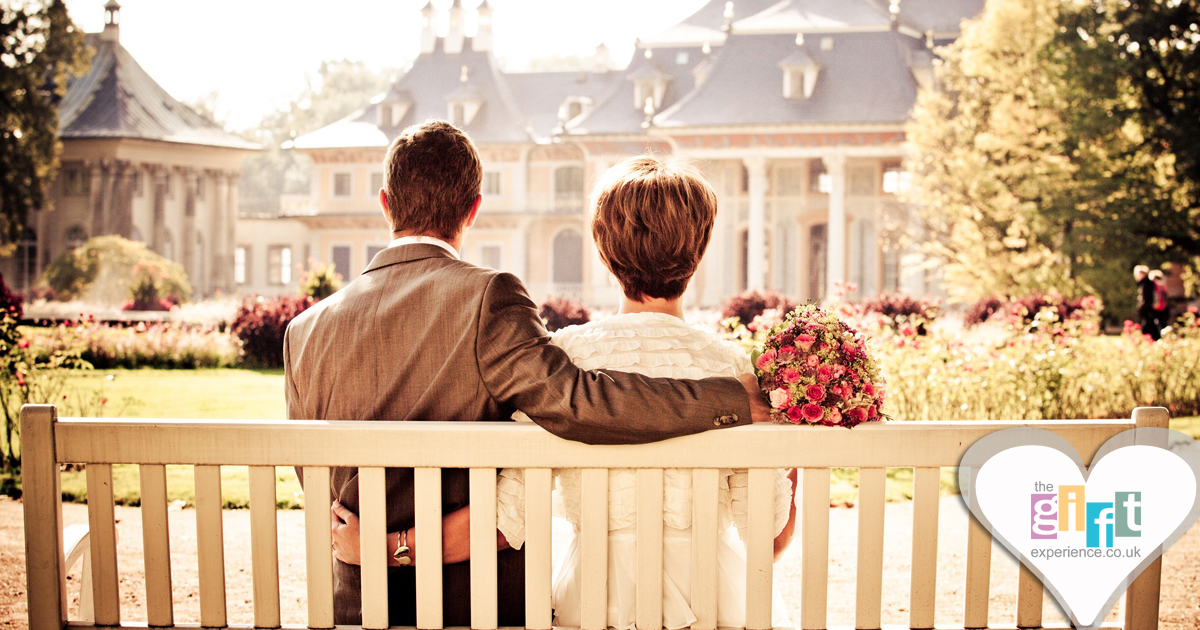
(1018, 482)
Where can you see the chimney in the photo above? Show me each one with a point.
(482, 41)
(112, 22)
(457, 34)
(428, 28)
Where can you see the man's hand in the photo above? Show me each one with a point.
(345, 534)
(759, 411)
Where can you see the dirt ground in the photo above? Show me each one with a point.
(1180, 592)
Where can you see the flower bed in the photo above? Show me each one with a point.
(144, 345)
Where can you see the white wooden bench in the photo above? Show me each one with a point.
(48, 441)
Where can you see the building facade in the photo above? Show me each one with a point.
(795, 110)
(137, 163)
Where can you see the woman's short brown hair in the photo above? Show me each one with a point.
(652, 223)
(433, 176)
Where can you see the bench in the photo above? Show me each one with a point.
(48, 441)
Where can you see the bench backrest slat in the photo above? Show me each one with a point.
(102, 525)
(704, 547)
(814, 572)
(593, 548)
(649, 548)
(483, 549)
(372, 512)
(428, 504)
(927, 485)
(210, 546)
(539, 563)
(760, 517)
(979, 574)
(156, 545)
(318, 542)
(264, 547)
(872, 493)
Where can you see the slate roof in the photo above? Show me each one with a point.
(864, 79)
(616, 114)
(706, 24)
(541, 94)
(942, 17)
(118, 99)
(794, 16)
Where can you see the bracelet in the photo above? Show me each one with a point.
(401, 555)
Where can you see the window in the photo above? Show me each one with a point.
(818, 177)
(376, 184)
(342, 185)
(574, 109)
(27, 253)
(372, 250)
(681, 58)
(491, 256)
(491, 182)
(76, 237)
(568, 188)
(341, 260)
(78, 182)
(279, 265)
(241, 271)
(568, 258)
(891, 269)
(788, 180)
(457, 114)
(896, 180)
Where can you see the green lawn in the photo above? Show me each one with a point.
(253, 394)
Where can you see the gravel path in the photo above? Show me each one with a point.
(1180, 593)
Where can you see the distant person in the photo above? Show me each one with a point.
(1162, 305)
(1145, 302)
(422, 335)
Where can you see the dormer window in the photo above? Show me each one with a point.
(391, 113)
(799, 75)
(463, 104)
(457, 114)
(651, 90)
(921, 65)
(574, 107)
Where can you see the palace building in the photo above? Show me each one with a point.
(137, 163)
(795, 110)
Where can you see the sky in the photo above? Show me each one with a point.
(255, 54)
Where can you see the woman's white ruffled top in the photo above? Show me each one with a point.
(660, 346)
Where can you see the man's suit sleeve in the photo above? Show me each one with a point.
(291, 392)
(521, 368)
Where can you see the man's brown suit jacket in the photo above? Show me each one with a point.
(421, 335)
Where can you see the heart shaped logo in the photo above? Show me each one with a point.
(1086, 532)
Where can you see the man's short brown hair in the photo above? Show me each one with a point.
(433, 176)
(652, 223)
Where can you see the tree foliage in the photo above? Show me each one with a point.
(1053, 157)
(40, 49)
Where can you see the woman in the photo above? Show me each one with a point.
(652, 224)
(1162, 316)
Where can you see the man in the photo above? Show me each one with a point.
(1145, 301)
(422, 335)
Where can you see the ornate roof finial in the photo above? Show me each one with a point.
(799, 39)
(112, 22)
(464, 75)
(728, 17)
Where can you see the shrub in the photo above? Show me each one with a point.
(901, 311)
(10, 301)
(260, 324)
(748, 305)
(106, 268)
(559, 312)
(145, 293)
(320, 281)
(1025, 309)
(983, 310)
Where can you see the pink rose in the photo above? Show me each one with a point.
(812, 412)
(795, 414)
(814, 393)
(824, 373)
(838, 371)
(849, 351)
(790, 375)
(834, 416)
(813, 360)
(787, 354)
(805, 342)
(765, 360)
(780, 398)
(871, 412)
(869, 389)
(857, 415)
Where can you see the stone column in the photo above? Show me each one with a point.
(217, 220)
(187, 249)
(96, 198)
(121, 214)
(756, 258)
(231, 219)
(835, 271)
(158, 221)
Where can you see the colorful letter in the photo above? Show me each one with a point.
(1100, 515)
(1129, 514)
(1043, 514)
(1068, 497)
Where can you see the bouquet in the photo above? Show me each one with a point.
(815, 369)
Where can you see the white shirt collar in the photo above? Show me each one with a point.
(424, 240)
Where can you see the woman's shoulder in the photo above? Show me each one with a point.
(651, 339)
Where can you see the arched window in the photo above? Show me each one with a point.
(27, 253)
(818, 259)
(568, 189)
(76, 237)
(568, 259)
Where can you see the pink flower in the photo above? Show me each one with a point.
(24, 343)
(812, 412)
(780, 398)
(824, 373)
(838, 371)
(790, 375)
(1193, 309)
(787, 354)
(834, 416)
(871, 412)
(813, 361)
(805, 342)
(907, 330)
(765, 360)
(795, 414)
(814, 393)
(849, 351)
(857, 415)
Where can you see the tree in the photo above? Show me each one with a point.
(40, 50)
(992, 169)
(338, 90)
